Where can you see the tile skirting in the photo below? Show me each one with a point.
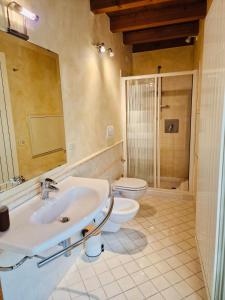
(105, 163)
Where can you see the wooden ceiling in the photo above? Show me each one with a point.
(153, 24)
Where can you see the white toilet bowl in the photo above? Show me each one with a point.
(123, 211)
(131, 188)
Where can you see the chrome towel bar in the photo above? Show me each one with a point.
(58, 254)
(80, 242)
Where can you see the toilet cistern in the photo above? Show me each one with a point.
(47, 186)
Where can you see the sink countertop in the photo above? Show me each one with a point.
(29, 238)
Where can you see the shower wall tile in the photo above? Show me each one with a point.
(175, 147)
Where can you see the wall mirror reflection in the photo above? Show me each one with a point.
(32, 138)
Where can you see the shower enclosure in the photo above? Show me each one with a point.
(158, 113)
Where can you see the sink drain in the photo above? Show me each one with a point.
(64, 219)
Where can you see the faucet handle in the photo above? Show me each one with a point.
(53, 188)
(47, 182)
(50, 180)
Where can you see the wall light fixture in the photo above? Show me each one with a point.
(110, 52)
(26, 15)
(190, 38)
(102, 49)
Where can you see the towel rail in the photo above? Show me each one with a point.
(80, 242)
(58, 254)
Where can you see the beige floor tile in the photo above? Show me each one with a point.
(183, 289)
(139, 277)
(195, 283)
(156, 297)
(163, 267)
(119, 272)
(134, 294)
(126, 283)
(160, 283)
(112, 289)
(184, 271)
(152, 257)
(171, 294)
(106, 278)
(147, 289)
(151, 272)
(173, 277)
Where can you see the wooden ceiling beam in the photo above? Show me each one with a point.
(161, 45)
(167, 32)
(110, 6)
(158, 16)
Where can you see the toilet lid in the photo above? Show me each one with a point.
(130, 183)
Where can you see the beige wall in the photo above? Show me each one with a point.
(90, 83)
(172, 60)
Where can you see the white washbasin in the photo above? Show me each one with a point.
(66, 204)
(37, 225)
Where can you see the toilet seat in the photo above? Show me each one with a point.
(131, 184)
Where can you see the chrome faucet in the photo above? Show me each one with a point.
(17, 180)
(47, 186)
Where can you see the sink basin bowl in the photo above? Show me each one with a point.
(67, 204)
(39, 224)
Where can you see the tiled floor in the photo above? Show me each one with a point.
(153, 257)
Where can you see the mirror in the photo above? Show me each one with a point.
(32, 138)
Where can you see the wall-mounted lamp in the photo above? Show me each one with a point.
(102, 49)
(111, 53)
(26, 15)
(189, 39)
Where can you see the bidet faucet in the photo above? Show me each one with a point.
(47, 186)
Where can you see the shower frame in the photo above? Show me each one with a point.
(192, 158)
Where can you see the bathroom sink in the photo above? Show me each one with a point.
(40, 224)
(68, 204)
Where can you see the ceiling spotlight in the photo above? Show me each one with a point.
(111, 53)
(101, 48)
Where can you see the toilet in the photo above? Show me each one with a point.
(123, 211)
(131, 188)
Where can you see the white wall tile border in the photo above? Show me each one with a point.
(92, 166)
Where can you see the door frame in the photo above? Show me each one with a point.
(218, 291)
(194, 73)
(9, 116)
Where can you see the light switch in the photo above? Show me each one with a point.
(110, 131)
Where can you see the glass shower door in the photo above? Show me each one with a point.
(158, 130)
(141, 113)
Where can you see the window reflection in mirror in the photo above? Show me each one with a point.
(32, 139)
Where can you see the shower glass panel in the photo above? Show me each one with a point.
(175, 131)
(141, 110)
